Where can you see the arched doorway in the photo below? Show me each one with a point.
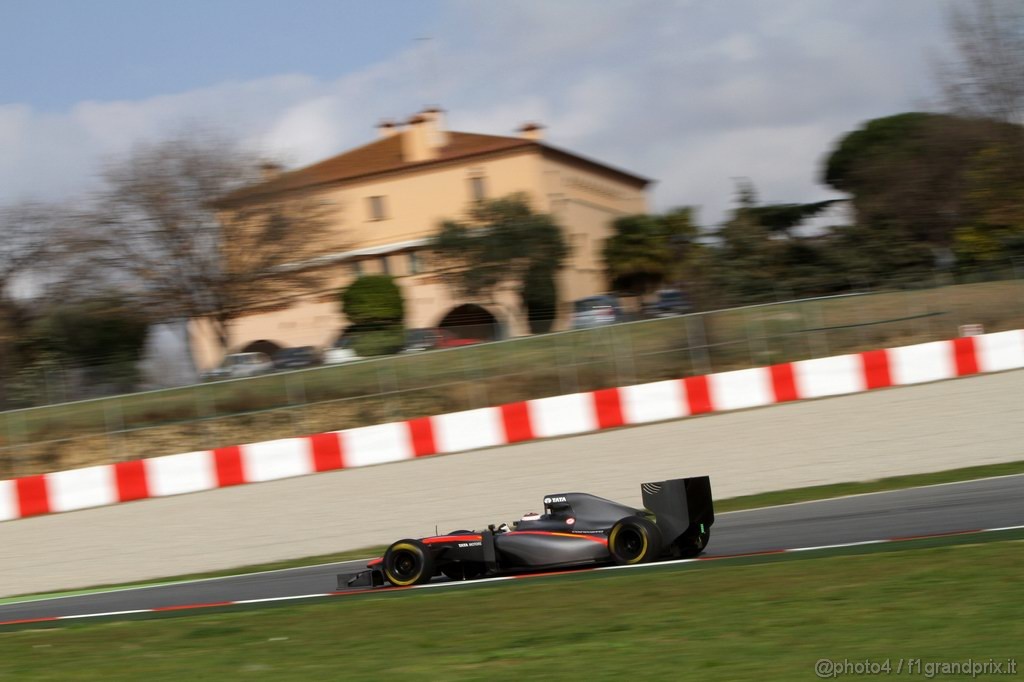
(470, 321)
(261, 346)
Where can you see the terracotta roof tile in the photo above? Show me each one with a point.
(380, 156)
(385, 156)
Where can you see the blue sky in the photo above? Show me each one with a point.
(693, 93)
(66, 51)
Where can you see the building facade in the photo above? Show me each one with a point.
(389, 197)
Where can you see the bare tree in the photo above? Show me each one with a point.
(160, 224)
(29, 236)
(985, 76)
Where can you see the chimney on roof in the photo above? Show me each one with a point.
(418, 140)
(531, 131)
(387, 128)
(435, 120)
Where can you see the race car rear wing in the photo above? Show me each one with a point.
(681, 506)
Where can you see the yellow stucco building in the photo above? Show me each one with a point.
(388, 198)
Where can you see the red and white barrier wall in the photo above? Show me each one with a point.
(512, 423)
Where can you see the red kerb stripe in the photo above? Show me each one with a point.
(229, 466)
(516, 418)
(698, 394)
(23, 621)
(421, 432)
(784, 383)
(33, 497)
(327, 452)
(608, 407)
(966, 356)
(876, 369)
(131, 480)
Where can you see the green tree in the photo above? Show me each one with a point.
(539, 294)
(376, 312)
(648, 251)
(104, 336)
(758, 255)
(908, 175)
(504, 244)
(995, 192)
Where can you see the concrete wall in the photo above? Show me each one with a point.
(929, 427)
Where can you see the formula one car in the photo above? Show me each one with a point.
(576, 529)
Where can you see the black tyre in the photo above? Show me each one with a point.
(463, 570)
(634, 540)
(408, 562)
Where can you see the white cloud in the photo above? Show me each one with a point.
(689, 93)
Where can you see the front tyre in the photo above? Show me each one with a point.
(408, 562)
(634, 540)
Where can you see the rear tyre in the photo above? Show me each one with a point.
(634, 540)
(408, 562)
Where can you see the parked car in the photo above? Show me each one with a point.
(421, 339)
(450, 340)
(296, 358)
(238, 365)
(595, 311)
(668, 302)
(429, 338)
(341, 351)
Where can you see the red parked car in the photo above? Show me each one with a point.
(449, 340)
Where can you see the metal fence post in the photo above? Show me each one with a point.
(385, 390)
(113, 422)
(295, 392)
(624, 356)
(15, 440)
(696, 336)
(206, 411)
(819, 339)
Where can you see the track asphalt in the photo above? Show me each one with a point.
(930, 510)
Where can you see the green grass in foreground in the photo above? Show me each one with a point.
(820, 492)
(771, 621)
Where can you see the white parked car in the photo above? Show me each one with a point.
(340, 352)
(237, 365)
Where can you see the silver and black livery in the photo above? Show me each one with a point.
(576, 529)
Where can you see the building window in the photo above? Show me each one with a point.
(384, 266)
(357, 268)
(477, 188)
(377, 208)
(415, 263)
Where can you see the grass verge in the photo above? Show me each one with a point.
(764, 621)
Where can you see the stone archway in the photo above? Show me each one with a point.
(471, 321)
(261, 346)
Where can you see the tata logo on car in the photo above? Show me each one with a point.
(550, 500)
